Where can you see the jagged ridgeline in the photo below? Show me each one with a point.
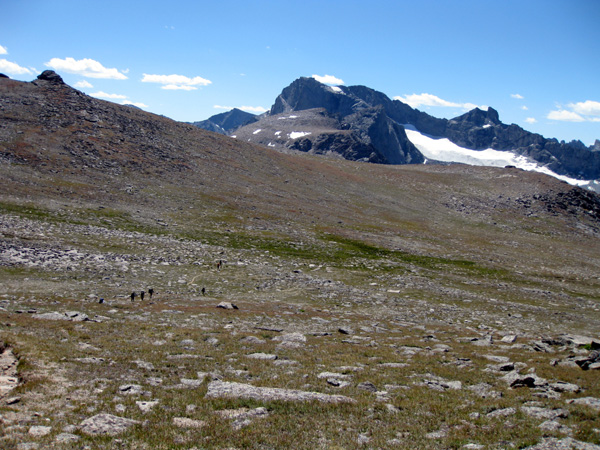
(360, 123)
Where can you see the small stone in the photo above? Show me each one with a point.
(440, 434)
(185, 422)
(555, 427)
(337, 383)
(191, 382)
(130, 389)
(544, 413)
(106, 424)
(227, 305)
(592, 402)
(253, 340)
(242, 417)
(497, 358)
(146, 406)
(39, 430)
(63, 438)
(264, 356)
(561, 386)
(367, 386)
(144, 365)
(12, 400)
(516, 380)
(363, 439)
(505, 412)
(346, 330)
(333, 375)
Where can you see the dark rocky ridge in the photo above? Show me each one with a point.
(378, 121)
(227, 122)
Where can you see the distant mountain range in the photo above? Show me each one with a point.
(227, 122)
(359, 123)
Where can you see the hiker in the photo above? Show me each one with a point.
(219, 264)
(203, 291)
(133, 294)
(142, 295)
(150, 291)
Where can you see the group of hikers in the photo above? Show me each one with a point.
(134, 294)
(151, 291)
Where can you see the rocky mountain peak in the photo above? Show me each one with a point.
(306, 93)
(227, 122)
(479, 117)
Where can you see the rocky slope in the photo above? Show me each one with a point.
(375, 120)
(376, 306)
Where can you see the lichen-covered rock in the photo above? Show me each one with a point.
(240, 390)
(106, 424)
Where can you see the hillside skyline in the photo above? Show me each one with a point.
(534, 62)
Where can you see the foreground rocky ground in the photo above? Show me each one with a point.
(267, 351)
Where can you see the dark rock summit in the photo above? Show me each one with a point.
(358, 124)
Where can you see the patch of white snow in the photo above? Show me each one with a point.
(442, 149)
(277, 133)
(298, 134)
(257, 131)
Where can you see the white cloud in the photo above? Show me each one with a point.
(517, 96)
(83, 84)
(178, 87)
(101, 94)
(3, 50)
(587, 108)
(531, 120)
(85, 67)
(579, 112)
(328, 79)
(524, 108)
(416, 100)
(254, 109)
(138, 104)
(13, 68)
(176, 82)
(565, 116)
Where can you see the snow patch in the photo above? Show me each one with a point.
(298, 134)
(277, 133)
(442, 149)
(336, 89)
(487, 126)
(257, 131)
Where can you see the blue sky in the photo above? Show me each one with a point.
(536, 61)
